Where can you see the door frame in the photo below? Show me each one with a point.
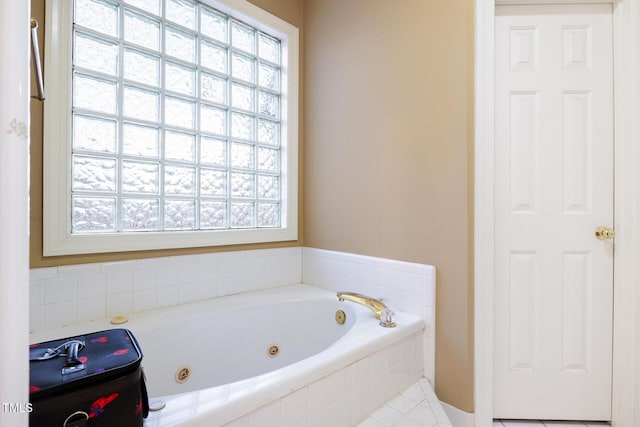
(626, 336)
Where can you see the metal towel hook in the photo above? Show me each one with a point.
(35, 51)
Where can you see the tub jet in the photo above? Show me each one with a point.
(182, 374)
(273, 350)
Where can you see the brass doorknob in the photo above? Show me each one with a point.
(603, 233)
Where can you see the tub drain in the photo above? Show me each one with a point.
(182, 374)
(273, 350)
(157, 405)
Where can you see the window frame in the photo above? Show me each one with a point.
(57, 132)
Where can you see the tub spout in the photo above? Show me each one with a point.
(382, 312)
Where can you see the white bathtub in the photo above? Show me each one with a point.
(225, 341)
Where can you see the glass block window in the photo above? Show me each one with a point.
(176, 119)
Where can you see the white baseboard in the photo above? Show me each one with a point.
(457, 417)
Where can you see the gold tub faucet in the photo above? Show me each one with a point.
(382, 312)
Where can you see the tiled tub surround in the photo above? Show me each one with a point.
(69, 294)
(72, 294)
(408, 287)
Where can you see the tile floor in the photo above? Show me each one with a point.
(417, 406)
(520, 423)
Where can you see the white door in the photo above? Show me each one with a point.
(554, 187)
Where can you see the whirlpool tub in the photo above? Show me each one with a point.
(276, 356)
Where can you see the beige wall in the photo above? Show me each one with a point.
(388, 150)
(385, 150)
(289, 10)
